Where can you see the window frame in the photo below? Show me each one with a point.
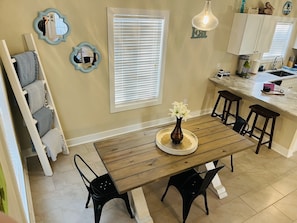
(158, 14)
(270, 58)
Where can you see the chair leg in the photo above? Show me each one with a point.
(88, 200)
(186, 208)
(205, 203)
(126, 199)
(165, 192)
(97, 210)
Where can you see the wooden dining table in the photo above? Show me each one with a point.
(134, 160)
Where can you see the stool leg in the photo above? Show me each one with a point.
(271, 132)
(247, 120)
(254, 124)
(237, 110)
(227, 113)
(232, 167)
(224, 111)
(213, 114)
(262, 134)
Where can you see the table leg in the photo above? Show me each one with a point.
(139, 206)
(218, 188)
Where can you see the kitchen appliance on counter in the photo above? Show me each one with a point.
(242, 61)
(255, 66)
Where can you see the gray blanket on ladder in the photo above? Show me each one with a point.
(44, 118)
(27, 67)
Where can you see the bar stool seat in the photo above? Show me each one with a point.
(229, 99)
(267, 114)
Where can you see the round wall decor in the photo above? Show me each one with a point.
(287, 8)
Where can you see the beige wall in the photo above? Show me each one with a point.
(82, 100)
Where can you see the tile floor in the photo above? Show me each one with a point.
(263, 188)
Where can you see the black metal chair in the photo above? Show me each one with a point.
(101, 188)
(190, 185)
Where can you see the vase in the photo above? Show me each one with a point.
(177, 134)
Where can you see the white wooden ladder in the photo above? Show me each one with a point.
(20, 95)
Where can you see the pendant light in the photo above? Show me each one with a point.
(205, 21)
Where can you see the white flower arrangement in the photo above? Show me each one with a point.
(179, 110)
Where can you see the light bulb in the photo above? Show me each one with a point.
(205, 20)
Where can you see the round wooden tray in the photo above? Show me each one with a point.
(188, 145)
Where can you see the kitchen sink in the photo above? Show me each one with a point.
(280, 73)
(277, 82)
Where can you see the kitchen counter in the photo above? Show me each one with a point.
(252, 87)
(285, 137)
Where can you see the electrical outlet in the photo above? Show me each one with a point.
(218, 66)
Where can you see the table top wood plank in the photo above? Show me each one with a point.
(172, 168)
(124, 141)
(134, 160)
(168, 169)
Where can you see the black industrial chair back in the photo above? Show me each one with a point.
(240, 125)
(190, 185)
(101, 188)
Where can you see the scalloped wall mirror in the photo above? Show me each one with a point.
(85, 57)
(51, 26)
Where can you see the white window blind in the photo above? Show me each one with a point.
(280, 41)
(137, 44)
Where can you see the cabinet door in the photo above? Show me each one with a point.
(250, 34)
(266, 34)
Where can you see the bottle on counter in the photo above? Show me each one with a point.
(291, 61)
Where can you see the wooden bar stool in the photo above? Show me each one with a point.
(267, 114)
(229, 98)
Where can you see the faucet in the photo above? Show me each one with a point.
(273, 66)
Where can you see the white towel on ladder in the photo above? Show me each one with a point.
(53, 142)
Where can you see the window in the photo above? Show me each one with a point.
(137, 45)
(280, 41)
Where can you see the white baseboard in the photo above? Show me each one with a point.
(281, 150)
(114, 132)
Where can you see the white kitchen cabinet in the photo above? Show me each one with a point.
(251, 34)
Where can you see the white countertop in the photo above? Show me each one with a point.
(252, 87)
